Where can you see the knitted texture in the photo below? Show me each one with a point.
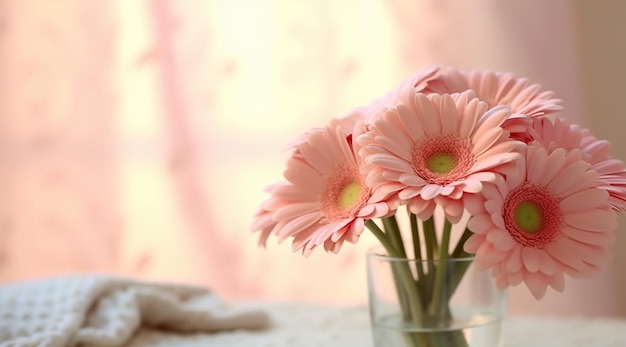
(108, 311)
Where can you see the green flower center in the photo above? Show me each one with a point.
(442, 159)
(441, 163)
(532, 215)
(528, 217)
(349, 195)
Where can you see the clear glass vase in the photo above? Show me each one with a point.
(433, 303)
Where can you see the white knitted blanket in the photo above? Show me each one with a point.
(109, 311)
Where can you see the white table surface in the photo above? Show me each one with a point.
(298, 324)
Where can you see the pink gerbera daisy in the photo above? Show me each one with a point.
(611, 172)
(444, 149)
(525, 100)
(496, 88)
(325, 200)
(546, 219)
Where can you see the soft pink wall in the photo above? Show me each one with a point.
(136, 136)
(603, 51)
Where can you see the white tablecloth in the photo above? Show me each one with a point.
(110, 311)
(297, 324)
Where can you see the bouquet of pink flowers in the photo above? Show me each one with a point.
(540, 196)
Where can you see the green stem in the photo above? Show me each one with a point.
(440, 277)
(461, 268)
(430, 239)
(393, 230)
(417, 251)
(459, 252)
(380, 235)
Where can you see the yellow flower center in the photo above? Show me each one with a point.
(349, 195)
(441, 163)
(527, 216)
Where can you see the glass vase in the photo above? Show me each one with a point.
(433, 303)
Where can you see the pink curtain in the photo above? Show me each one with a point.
(136, 136)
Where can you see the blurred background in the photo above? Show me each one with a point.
(136, 137)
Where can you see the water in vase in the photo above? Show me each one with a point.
(477, 331)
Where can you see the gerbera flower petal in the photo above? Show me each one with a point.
(473, 243)
(411, 125)
(494, 161)
(265, 224)
(488, 256)
(493, 119)
(449, 114)
(589, 237)
(500, 240)
(388, 161)
(536, 283)
(515, 278)
(424, 209)
(594, 220)
(299, 173)
(409, 193)
(429, 191)
(396, 145)
(470, 117)
(538, 167)
(412, 180)
(289, 193)
(452, 209)
(288, 211)
(568, 179)
(547, 263)
(426, 106)
(484, 176)
(513, 263)
(561, 253)
(501, 147)
(531, 259)
(472, 185)
(584, 200)
(480, 223)
(331, 231)
(557, 281)
(297, 224)
(487, 140)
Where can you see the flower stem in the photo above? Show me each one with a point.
(459, 271)
(417, 248)
(380, 235)
(430, 239)
(459, 252)
(435, 308)
(393, 230)
(417, 251)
